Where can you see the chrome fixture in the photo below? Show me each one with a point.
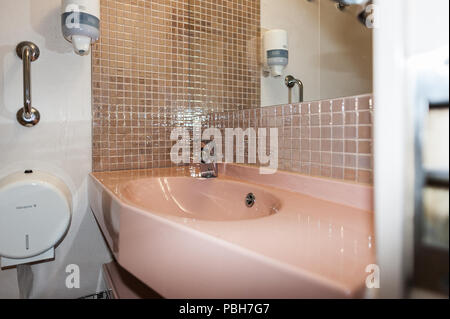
(353, 2)
(290, 82)
(208, 168)
(341, 6)
(250, 200)
(366, 16)
(28, 52)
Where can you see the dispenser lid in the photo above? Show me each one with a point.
(35, 213)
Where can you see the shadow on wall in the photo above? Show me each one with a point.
(47, 23)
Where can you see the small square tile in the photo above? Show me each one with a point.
(365, 177)
(349, 174)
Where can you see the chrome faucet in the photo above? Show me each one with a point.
(208, 169)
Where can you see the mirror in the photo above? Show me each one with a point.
(330, 50)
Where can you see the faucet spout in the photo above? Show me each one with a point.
(210, 170)
(208, 165)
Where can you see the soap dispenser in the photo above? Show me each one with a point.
(276, 51)
(80, 23)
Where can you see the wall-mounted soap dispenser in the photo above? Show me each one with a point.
(80, 22)
(276, 52)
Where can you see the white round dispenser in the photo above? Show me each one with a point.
(35, 213)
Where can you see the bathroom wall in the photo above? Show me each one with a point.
(161, 64)
(327, 138)
(329, 50)
(59, 144)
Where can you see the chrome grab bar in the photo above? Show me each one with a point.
(290, 82)
(28, 52)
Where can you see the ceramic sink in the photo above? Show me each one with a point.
(188, 237)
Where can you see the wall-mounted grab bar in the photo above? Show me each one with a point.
(27, 115)
(290, 82)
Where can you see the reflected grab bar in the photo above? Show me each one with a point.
(28, 52)
(290, 82)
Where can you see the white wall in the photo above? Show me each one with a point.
(329, 50)
(301, 20)
(345, 52)
(59, 144)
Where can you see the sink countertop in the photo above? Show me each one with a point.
(328, 241)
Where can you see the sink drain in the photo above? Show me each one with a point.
(250, 200)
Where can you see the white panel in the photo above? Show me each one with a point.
(407, 28)
(392, 147)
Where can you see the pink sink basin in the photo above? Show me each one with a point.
(187, 237)
(203, 199)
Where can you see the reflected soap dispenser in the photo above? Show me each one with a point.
(276, 51)
(80, 23)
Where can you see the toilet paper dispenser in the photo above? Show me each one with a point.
(35, 214)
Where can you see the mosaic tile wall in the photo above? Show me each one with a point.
(329, 138)
(160, 64)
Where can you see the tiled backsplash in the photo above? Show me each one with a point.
(330, 138)
(160, 64)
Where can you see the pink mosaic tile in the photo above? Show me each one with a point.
(330, 138)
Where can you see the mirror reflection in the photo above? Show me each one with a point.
(329, 47)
